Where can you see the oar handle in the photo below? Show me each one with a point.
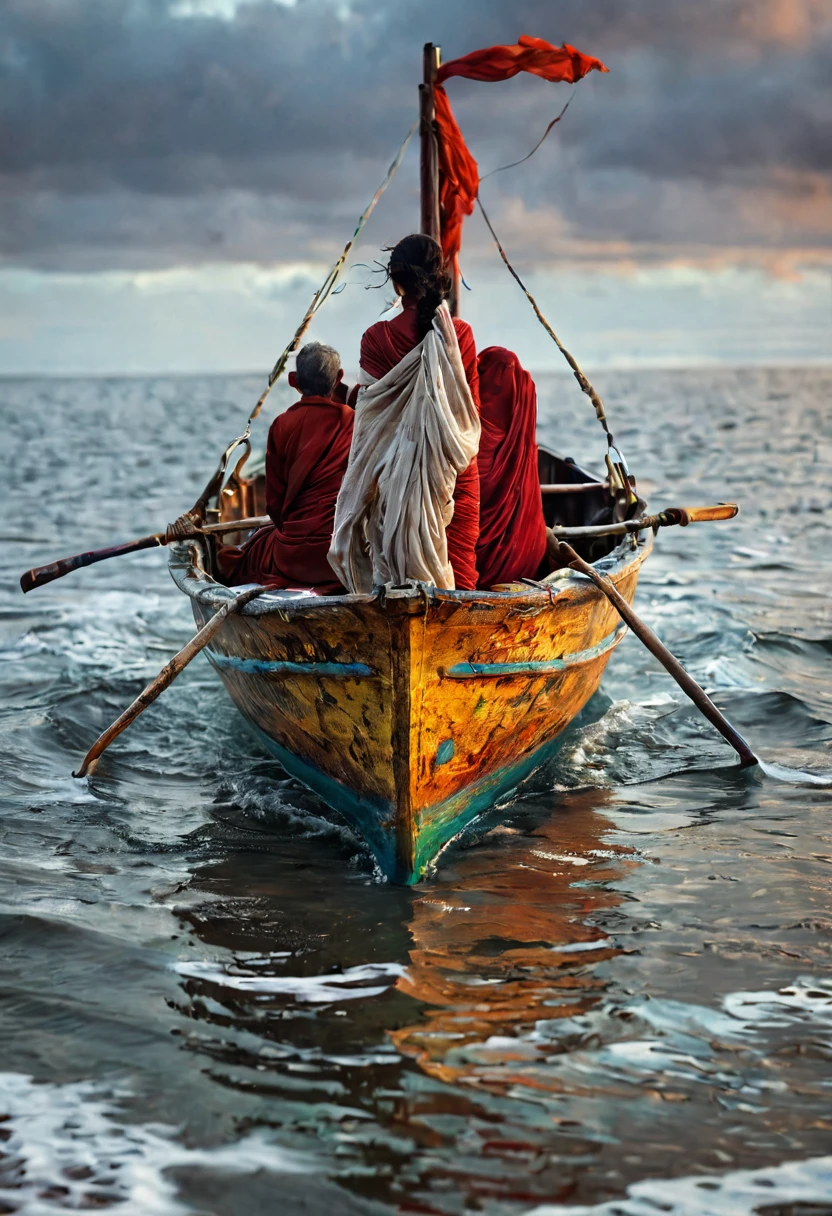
(236, 525)
(65, 565)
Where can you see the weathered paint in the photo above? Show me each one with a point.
(279, 667)
(362, 813)
(464, 671)
(445, 751)
(359, 696)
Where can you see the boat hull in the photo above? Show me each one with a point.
(413, 710)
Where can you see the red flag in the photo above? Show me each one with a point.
(459, 175)
(533, 55)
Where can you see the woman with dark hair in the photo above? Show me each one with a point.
(419, 276)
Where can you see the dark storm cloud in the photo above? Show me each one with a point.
(131, 135)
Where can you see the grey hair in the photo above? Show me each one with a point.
(316, 369)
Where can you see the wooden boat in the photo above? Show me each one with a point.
(412, 710)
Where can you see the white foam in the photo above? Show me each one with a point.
(567, 858)
(806, 1000)
(602, 943)
(67, 1143)
(356, 983)
(739, 1193)
(794, 776)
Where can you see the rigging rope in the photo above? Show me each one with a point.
(320, 296)
(586, 387)
(529, 155)
(619, 474)
(325, 290)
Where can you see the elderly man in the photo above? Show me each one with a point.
(306, 456)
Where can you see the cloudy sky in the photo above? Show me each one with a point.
(178, 174)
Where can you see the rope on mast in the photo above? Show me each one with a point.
(586, 387)
(321, 295)
(619, 474)
(529, 155)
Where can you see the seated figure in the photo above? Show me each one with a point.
(512, 541)
(409, 507)
(306, 456)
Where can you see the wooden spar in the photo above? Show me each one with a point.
(657, 648)
(42, 575)
(429, 164)
(165, 677)
(665, 519)
(431, 217)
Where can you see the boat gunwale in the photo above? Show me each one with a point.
(188, 572)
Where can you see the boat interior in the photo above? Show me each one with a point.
(243, 496)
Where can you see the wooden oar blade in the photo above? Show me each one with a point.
(657, 648)
(165, 677)
(703, 515)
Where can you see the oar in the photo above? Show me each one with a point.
(65, 565)
(645, 634)
(166, 676)
(665, 519)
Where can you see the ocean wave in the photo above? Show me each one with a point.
(69, 1147)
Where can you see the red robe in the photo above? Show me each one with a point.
(306, 457)
(382, 347)
(512, 541)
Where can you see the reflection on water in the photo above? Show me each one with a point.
(615, 996)
(517, 938)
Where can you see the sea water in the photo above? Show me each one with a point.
(615, 994)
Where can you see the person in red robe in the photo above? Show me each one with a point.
(306, 457)
(417, 271)
(512, 540)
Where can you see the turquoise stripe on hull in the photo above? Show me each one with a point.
(438, 824)
(282, 667)
(468, 671)
(366, 815)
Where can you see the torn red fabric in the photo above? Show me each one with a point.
(533, 55)
(459, 178)
(458, 171)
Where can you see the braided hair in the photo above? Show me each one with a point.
(417, 265)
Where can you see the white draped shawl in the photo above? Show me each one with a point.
(415, 430)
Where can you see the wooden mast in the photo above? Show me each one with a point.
(429, 167)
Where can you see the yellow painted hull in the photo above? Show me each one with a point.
(412, 712)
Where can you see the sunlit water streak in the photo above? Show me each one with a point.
(615, 995)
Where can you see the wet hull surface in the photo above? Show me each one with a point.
(411, 714)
